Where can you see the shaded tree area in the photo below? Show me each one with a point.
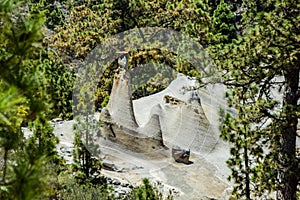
(261, 70)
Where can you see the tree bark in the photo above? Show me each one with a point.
(289, 173)
(247, 173)
(5, 164)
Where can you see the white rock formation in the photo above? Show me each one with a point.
(119, 124)
(173, 116)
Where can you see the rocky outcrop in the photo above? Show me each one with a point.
(184, 121)
(119, 124)
(173, 119)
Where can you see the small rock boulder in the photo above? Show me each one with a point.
(108, 165)
(181, 155)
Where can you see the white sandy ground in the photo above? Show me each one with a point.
(204, 179)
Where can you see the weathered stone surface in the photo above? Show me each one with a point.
(119, 124)
(182, 117)
(120, 103)
(175, 117)
(186, 125)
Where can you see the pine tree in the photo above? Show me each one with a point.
(223, 26)
(86, 132)
(86, 151)
(261, 70)
(60, 78)
(23, 100)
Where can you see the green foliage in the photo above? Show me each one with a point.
(189, 17)
(146, 191)
(43, 141)
(86, 27)
(223, 24)
(23, 100)
(105, 102)
(150, 79)
(72, 190)
(27, 162)
(11, 116)
(54, 10)
(234, 4)
(19, 51)
(25, 180)
(86, 150)
(59, 76)
(92, 22)
(10, 102)
(60, 79)
(259, 67)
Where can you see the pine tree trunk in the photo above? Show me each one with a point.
(247, 173)
(86, 162)
(288, 174)
(86, 151)
(5, 164)
(83, 159)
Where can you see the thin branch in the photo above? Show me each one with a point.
(268, 114)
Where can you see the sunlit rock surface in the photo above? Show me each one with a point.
(174, 116)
